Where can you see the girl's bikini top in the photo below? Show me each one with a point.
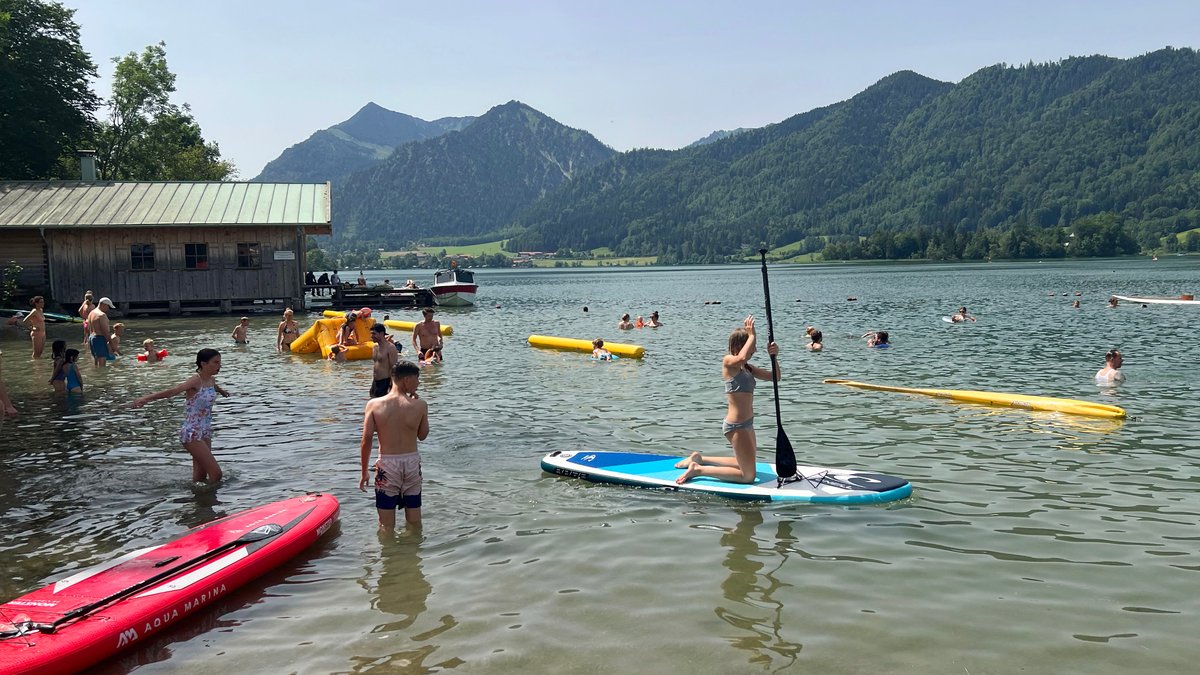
(743, 382)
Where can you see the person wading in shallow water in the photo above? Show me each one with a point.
(201, 392)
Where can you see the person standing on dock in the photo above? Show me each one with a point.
(427, 335)
(323, 281)
(335, 279)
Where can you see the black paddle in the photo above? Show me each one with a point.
(257, 534)
(785, 456)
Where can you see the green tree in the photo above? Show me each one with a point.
(8, 281)
(46, 102)
(315, 259)
(147, 137)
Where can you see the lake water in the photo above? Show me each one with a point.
(1033, 542)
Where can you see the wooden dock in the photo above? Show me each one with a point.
(353, 297)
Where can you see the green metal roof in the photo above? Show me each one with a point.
(87, 204)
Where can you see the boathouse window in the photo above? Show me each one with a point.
(141, 257)
(195, 256)
(248, 257)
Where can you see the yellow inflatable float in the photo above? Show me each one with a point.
(409, 325)
(392, 323)
(585, 346)
(324, 334)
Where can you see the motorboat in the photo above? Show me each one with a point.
(454, 287)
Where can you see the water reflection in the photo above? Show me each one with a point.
(401, 591)
(751, 587)
(201, 507)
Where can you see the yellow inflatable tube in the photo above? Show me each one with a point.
(585, 346)
(323, 334)
(1050, 403)
(409, 325)
(392, 323)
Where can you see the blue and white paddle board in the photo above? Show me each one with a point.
(818, 485)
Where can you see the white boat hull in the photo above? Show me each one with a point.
(1156, 301)
(455, 296)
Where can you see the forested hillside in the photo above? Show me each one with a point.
(370, 136)
(465, 185)
(1097, 153)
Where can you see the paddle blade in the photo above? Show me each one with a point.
(785, 456)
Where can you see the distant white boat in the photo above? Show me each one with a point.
(1154, 300)
(454, 287)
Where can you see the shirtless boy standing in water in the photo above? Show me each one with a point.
(384, 356)
(427, 336)
(400, 419)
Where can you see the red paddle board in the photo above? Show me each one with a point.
(88, 616)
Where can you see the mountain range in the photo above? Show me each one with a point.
(370, 136)
(1001, 163)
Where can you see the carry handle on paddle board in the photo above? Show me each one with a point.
(257, 534)
(785, 456)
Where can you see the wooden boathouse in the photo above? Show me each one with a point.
(163, 247)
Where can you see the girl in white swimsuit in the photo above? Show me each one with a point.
(196, 432)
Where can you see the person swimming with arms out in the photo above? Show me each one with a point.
(1111, 373)
(599, 352)
(738, 426)
(961, 316)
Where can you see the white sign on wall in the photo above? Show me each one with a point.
(285, 255)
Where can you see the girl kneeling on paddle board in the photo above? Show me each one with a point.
(738, 425)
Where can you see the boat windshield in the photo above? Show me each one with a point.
(450, 276)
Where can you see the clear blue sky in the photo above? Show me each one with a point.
(262, 75)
